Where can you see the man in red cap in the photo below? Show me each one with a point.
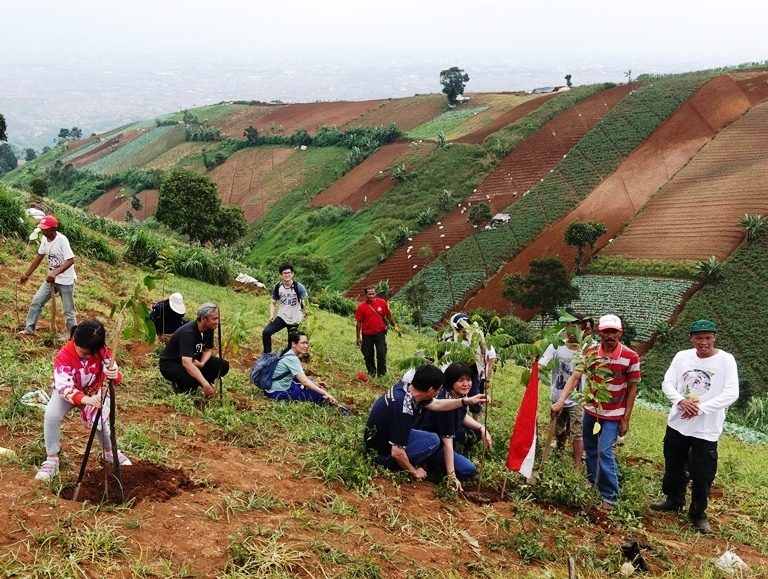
(606, 421)
(61, 274)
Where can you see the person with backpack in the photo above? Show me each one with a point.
(288, 380)
(168, 315)
(373, 317)
(188, 361)
(288, 295)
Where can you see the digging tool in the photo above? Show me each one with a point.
(87, 453)
(488, 379)
(54, 329)
(113, 439)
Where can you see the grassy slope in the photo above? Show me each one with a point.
(739, 305)
(384, 526)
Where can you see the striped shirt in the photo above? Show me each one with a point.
(624, 364)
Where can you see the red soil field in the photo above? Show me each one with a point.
(619, 198)
(240, 179)
(286, 119)
(365, 183)
(697, 213)
(529, 162)
(232, 126)
(407, 113)
(111, 204)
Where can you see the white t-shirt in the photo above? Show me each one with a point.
(59, 251)
(715, 380)
(562, 368)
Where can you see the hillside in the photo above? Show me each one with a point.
(281, 490)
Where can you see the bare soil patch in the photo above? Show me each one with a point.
(141, 481)
(114, 205)
(406, 113)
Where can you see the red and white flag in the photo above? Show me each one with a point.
(522, 443)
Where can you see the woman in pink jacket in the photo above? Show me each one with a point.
(79, 372)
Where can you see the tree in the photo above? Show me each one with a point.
(479, 214)
(8, 160)
(38, 186)
(628, 75)
(29, 154)
(454, 80)
(230, 224)
(581, 234)
(568, 82)
(3, 128)
(547, 286)
(188, 203)
(75, 133)
(64, 134)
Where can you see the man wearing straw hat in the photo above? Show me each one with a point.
(61, 274)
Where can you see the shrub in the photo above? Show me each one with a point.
(328, 215)
(207, 266)
(13, 217)
(333, 301)
(479, 214)
(426, 217)
(143, 248)
(85, 243)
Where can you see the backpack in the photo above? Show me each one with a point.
(263, 370)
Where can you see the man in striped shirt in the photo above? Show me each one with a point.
(604, 422)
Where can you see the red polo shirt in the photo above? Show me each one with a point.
(371, 316)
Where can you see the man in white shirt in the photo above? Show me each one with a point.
(701, 383)
(61, 274)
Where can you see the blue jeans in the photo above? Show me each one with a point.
(465, 468)
(297, 393)
(41, 298)
(602, 470)
(420, 447)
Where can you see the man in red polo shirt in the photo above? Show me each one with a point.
(606, 421)
(372, 317)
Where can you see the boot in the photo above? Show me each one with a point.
(667, 505)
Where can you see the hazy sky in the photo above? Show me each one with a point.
(97, 64)
(720, 30)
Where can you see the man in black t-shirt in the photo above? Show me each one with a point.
(188, 360)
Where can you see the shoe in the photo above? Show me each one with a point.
(48, 470)
(701, 524)
(607, 506)
(121, 458)
(667, 505)
(25, 332)
(344, 410)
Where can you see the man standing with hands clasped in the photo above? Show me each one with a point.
(373, 317)
(701, 383)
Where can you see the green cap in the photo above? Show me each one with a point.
(702, 326)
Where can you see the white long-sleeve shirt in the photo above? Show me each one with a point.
(714, 380)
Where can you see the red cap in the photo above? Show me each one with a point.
(48, 222)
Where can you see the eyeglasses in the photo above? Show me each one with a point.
(305, 342)
(289, 272)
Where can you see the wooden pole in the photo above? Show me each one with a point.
(54, 329)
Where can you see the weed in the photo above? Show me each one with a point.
(135, 440)
(260, 553)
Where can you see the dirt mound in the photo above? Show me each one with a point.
(141, 481)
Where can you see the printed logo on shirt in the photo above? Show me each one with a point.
(697, 381)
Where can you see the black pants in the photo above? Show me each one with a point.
(183, 382)
(272, 328)
(377, 366)
(686, 457)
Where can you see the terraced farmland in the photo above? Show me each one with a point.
(242, 180)
(697, 213)
(532, 160)
(477, 136)
(406, 113)
(114, 205)
(365, 183)
(141, 150)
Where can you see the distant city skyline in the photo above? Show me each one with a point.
(95, 65)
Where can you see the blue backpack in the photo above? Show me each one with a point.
(263, 370)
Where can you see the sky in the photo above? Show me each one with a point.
(196, 52)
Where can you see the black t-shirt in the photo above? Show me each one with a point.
(166, 320)
(391, 419)
(187, 341)
(444, 424)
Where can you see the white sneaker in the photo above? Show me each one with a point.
(47, 470)
(121, 458)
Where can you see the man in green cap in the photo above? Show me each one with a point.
(701, 383)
